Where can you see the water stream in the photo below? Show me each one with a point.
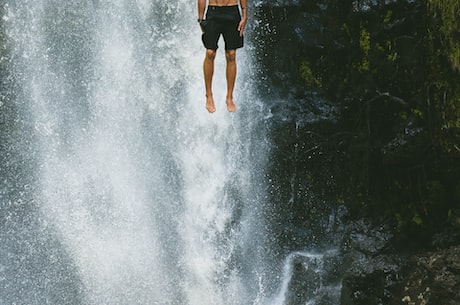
(125, 190)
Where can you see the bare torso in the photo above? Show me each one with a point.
(223, 2)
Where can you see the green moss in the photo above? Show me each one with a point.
(388, 16)
(449, 27)
(306, 73)
(365, 45)
(417, 219)
(396, 144)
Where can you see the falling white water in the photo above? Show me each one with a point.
(153, 200)
(318, 286)
(127, 190)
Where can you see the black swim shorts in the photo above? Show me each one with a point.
(222, 20)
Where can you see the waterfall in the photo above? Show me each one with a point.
(128, 191)
(118, 187)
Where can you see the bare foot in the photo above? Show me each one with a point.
(210, 104)
(230, 105)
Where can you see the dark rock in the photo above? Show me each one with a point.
(371, 281)
(405, 146)
(372, 274)
(315, 278)
(376, 277)
(362, 138)
(433, 278)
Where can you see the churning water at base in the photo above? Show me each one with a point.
(121, 188)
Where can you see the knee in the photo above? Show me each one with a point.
(230, 55)
(210, 54)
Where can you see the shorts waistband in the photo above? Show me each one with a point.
(223, 8)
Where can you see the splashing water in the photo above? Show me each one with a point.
(150, 198)
(118, 186)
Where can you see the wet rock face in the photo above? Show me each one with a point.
(286, 34)
(372, 274)
(320, 157)
(424, 279)
(433, 278)
(377, 273)
(371, 286)
(315, 278)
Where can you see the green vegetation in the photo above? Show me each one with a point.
(311, 80)
(446, 14)
(393, 73)
(401, 87)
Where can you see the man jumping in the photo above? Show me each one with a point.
(223, 17)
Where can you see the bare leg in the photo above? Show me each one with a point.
(230, 55)
(208, 69)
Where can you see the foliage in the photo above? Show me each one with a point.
(392, 70)
(446, 12)
(402, 103)
(311, 80)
